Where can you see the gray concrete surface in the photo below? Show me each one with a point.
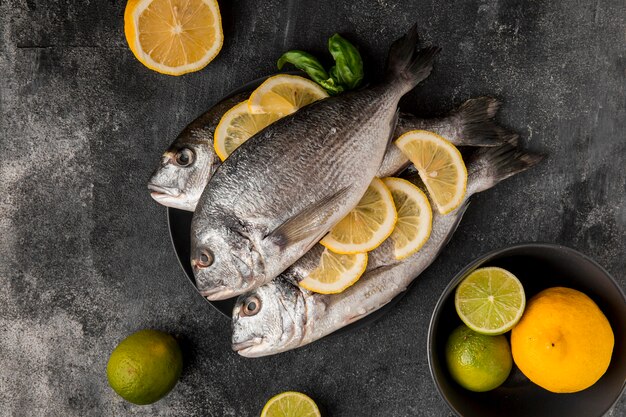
(85, 257)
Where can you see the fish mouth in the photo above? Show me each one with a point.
(246, 348)
(218, 293)
(158, 191)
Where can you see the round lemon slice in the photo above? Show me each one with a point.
(173, 36)
(367, 225)
(237, 126)
(440, 167)
(290, 404)
(415, 217)
(335, 272)
(284, 94)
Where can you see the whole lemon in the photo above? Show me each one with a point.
(476, 361)
(563, 342)
(145, 366)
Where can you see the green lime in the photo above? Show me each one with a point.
(476, 361)
(490, 300)
(290, 404)
(145, 366)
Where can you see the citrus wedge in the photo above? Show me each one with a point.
(335, 272)
(490, 300)
(290, 404)
(284, 94)
(440, 167)
(237, 126)
(414, 217)
(173, 36)
(367, 225)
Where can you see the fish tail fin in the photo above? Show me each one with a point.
(489, 166)
(474, 122)
(406, 66)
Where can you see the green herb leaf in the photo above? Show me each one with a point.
(306, 62)
(331, 86)
(348, 69)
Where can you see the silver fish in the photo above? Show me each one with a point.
(280, 315)
(285, 187)
(190, 161)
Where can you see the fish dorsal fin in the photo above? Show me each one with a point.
(310, 221)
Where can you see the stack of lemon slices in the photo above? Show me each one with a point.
(392, 209)
(277, 97)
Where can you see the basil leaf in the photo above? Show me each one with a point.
(331, 86)
(305, 62)
(348, 68)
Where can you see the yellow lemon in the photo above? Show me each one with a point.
(563, 342)
(414, 217)
(173, 37)
(440, 166)
(335, 272)
(367, 225)
(237, 126)
(284, 94)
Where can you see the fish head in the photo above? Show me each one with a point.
(225, 261)
(269, 319)
(183, 172)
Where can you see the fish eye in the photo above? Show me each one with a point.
(184, 157)
(205, 259)
(251, 306)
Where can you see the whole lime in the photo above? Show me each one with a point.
(145, 366)
(476, 361)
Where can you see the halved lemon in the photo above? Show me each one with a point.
(367, 225)
(173, 36)
(290, 404)
(415, 217)
(237, 126)
(284, 94)
(440, 167)
(335, 272)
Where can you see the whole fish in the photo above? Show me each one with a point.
(190, 161)
(280, 315)
(284, 188)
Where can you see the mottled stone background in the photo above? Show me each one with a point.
(85, 257)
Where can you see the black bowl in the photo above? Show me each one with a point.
(538, 266)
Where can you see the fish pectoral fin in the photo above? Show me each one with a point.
(310, 221)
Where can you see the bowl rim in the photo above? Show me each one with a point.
(475, 264)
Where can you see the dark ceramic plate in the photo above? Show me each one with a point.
(538, 266)
(179, 222)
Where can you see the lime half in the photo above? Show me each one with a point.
(290, 404)
(490, 300)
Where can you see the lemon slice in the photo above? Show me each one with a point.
(367, 225)
(440, 167)
(237, 126)
(284, 94)
(490, 300)
(290, 404)
(335, 272)
(173, 36)
(415, 217)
